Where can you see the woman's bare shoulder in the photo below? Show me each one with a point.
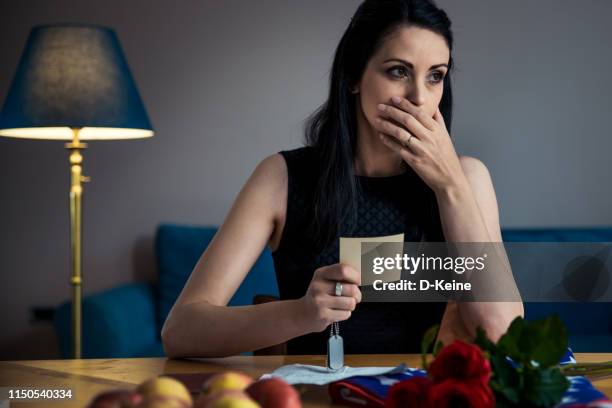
(273, 167)
(272, 177)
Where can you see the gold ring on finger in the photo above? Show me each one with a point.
(407, 144)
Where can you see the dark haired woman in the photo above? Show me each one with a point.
(378, 161)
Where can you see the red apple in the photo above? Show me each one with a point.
(274, 393)
(116, 399)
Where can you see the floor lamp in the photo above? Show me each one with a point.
(73, 83)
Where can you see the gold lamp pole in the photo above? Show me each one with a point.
(73, 83)
(76, 194)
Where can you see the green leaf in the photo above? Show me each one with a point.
(508, 343)
(483, 341)
(544, 387)
(545, 341)
(536, 348)
(506, 379)
(428, 338)
(504, 404)
(439, 346)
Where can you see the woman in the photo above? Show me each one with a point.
(379, 160)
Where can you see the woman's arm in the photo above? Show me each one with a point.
(200, 324)
(469, 213)
(466, 201)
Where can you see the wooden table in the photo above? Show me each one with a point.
(88, 377)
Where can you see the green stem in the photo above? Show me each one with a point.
(587, 368)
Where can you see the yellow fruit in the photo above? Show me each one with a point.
(165, 387)
(164, 402)
(226, 399)
(229, 380)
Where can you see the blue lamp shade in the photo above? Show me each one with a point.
(73, 76)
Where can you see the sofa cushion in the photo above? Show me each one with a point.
(154, 350)
(178, 249)
(116, 323)
(588, 323)
(574, 234)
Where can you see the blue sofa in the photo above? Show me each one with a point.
(126, 321)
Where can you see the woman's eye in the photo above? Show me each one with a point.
(401, 71)
(437, 76)
(398, 68)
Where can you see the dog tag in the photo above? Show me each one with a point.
(335, 352)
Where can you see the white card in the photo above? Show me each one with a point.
(311, 374)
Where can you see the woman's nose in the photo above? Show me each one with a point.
(416, 95)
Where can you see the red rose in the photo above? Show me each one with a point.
(462, 361)
(456, 393)
(413, 392)
(457, 377)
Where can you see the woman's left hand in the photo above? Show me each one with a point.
(429, 151)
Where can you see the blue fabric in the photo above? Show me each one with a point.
(120, 322)
(179, 248)
(574, 234)
(154, 350)
(589, 324)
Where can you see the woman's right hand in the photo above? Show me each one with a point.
(320, 307)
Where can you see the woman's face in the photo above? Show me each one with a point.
(411, 63)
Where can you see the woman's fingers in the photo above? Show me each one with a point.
(340, 273)
(348, 289)
(400, 136)
(325, 287)
(320, 300)
(439, 118)
(339, 315)
(324, 282)
(407, 154)
(424, 119)
(405, 119)
(340, 302)
(392, 142)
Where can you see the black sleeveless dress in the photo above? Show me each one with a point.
(390, 205)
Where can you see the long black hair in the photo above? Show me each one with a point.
(332, 129)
